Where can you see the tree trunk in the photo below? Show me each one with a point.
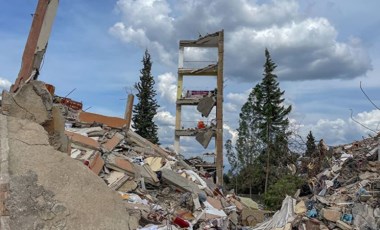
(268, 156)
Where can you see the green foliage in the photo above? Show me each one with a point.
(262, 134)
(311, 147)
(287, 185)
(146, 108)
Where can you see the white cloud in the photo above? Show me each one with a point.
(343, 131)
(167, 87)
(4, 83)
(369, 119)
(303, 48)
(164, 118)
(238, 98)
(232, 133)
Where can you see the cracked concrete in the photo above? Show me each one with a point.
(32, 101)
(50, 182)
(32, 207)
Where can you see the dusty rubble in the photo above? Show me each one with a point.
(344, 195)
(161, 190)
(158, 187)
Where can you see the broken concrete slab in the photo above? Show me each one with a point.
(179, 182)
(204, 137)
(32, 102)
(96, 163)
(205, 105)
(113, 142)
(120, 164)
(113, 122)
(83, 140)
(67, 181)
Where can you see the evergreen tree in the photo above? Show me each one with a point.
(262, 141)
(146, 108)
(272, 120)
(311, 147)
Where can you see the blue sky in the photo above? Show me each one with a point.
(323, 49)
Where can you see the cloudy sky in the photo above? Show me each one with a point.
(323, 50)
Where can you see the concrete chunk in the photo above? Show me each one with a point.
(113, 122)
(113, 142)
(204, 137)
(182, 183)
(32, 102)
(83, 140)
(97, 163)
(205, 105)
(331, 215)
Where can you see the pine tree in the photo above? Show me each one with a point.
(272, 118)
(146, 108)
(311, 147)
(262, 141)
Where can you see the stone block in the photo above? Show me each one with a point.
(331, 215)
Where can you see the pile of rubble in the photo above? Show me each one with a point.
(159, 188)
(344, 195)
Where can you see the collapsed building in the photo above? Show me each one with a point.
(157, 187)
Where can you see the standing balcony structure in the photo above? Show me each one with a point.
(206, 103)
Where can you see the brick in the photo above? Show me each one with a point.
(331, 215)
(83, 140)
(97, 163)
(113, 142)
(113, 122)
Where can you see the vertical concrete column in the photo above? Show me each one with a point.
(219, 112)
(178, 115)
(128, 110)
(36, 44)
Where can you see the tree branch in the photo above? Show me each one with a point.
(361, 123)
(368, 97)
